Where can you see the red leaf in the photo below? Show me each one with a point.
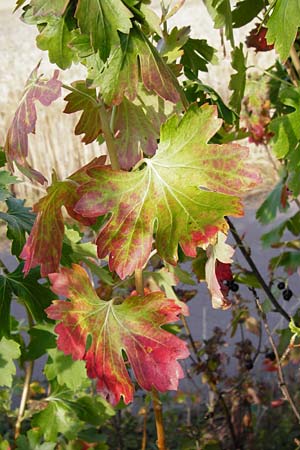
(44, 244)
(257, 39)
(133, 327)
(16, 145)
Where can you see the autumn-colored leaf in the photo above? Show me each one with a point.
(44, 245)
(182, 194)
(257, 39)
(133, 57)
(84, 99)
(133, 327)
(24, 121)
(219, 252)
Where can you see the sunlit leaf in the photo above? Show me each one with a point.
(133, 327)
(9, 350)
(183, 193)
(24, 121)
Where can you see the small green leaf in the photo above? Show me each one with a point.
(273, 203)
(93, 410)
(19, 221)
(293, 327)
(197, 54)
(237, 80)
(220, 11)
(68, 372)
(9, 350)
(55, 38)
(283, 26)
(245, 11)
(42, 338)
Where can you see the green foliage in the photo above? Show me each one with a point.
(9, 350)
(238, 80)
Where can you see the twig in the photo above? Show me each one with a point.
(280, 375)
(139, 282)
(144, 438)
(160, 431)
(190, 337)
(256, 272)
(25, 391)
(295, 59)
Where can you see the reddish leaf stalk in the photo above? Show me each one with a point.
(280, 375)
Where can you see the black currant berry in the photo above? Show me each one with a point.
(287, 294)
(281, 285)
(271, 356)
(234, 287)
(249, 364)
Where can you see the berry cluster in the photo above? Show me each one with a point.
(286, 292)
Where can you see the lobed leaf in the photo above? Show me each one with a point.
(101, 20)
(238, 80)
(24, 121)
(133, 327)
(44, 245)
(132, 57)
(42, 8)
(182, 194)
(9, 350)
(283, 26)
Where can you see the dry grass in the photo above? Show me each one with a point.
(54, 145)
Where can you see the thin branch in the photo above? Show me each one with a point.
(139, 282)
(160, 431)
(190, 337)
(144, 438)
(280, 375)
(256, 272)
(229, 422)
(295, 59)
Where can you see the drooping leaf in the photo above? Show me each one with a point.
(133, 56)
(9, 350)
(58, 417)
(272, 204)
(55, 38)
(245, 11)
(84, 99)
(220, 11)
(170, 45)
(219, 252)
(238, 80)
(135, 133)
(68, 372)
(133, 327)
(197, 54)
(183, 193)
(5, 179)
(286, 128)
(41, 247)
(35, 295)
(16, 145)
(19, 221)
(101, 20)
(283, 25)
(42, 8)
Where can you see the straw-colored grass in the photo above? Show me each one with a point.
(54, 145)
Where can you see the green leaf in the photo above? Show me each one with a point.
(245, 11)
(57, 417)
(283, 26)
(165, 194)
(9, 350)
(36, 296)
(248, 278)
(42, 338)
(32, 442)
(220, 11)
(5, 301)
(289, 260)
(197, 54)
(274, 235)
(84, 99)
(293, 327)
(267, 212)
(133, 56)
(101, 20)
(286, 128)
(19, 221)
(68, 372)
(55, 39)
(5, 179)
(93, 410)
(42, 8)
(238, 80)
(170, 46)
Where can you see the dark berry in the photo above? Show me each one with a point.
(271, 356)
(249, 364)
(287, 294)
(281, 285)
(234, 287)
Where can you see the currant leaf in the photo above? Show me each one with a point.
(182, 193)
(133, 327)
(101, 20)
(24, 121)
(42, 8)
(132, 57)
(283, 26)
